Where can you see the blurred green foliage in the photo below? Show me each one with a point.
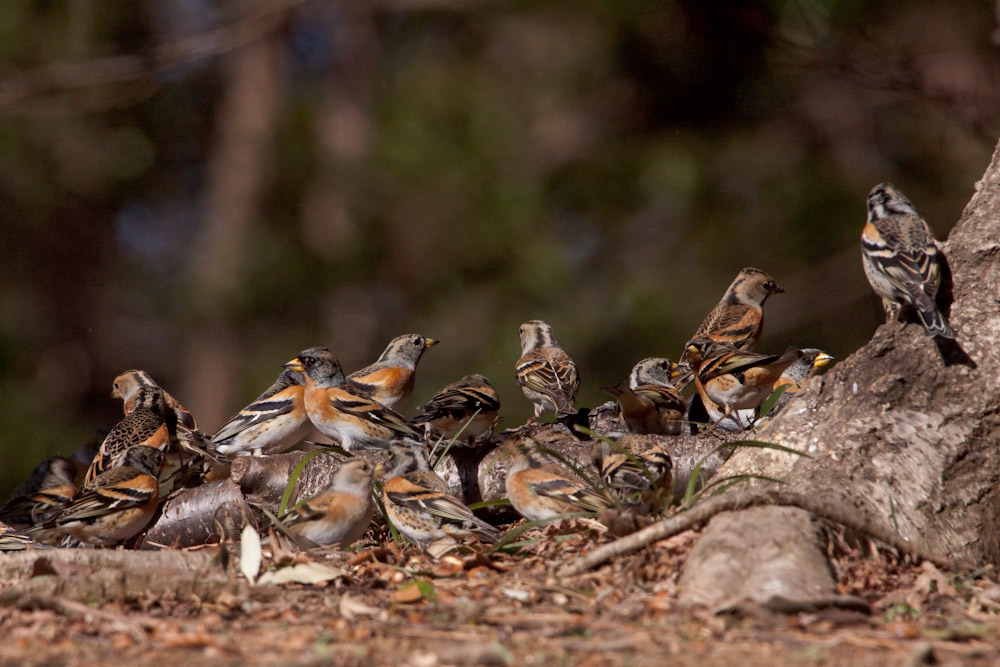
(455, 168)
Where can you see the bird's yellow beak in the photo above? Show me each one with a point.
(675, 370)
(380, 470)
(295, 365)
(430, 342)
(822, 359)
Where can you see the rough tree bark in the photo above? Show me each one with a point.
(905, 431)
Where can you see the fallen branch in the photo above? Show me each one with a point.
(731, 502)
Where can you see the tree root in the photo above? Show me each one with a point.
(730, 502)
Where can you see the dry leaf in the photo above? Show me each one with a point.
(440, 547)
(415, 591)
(250, 553)
(352, 607)
(303, 573)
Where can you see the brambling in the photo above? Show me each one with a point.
(49, 488)
(733, 379)
(144, 426)
(738, 319)
(902, 259)
(548, 377)
(343, 410)
(810, 364)
(119, 502)
(390, 380)
(653, 370)
(184, 432)
(12, 540)
(539, 488)
(275, 421)
(340, 513)
(468, 406)
(647, 400)
(419, 504)
(633, 465)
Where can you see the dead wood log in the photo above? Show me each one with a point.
(207, 513)
(85, 575)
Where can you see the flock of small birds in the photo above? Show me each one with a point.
(113, 497)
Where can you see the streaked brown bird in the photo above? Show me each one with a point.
(275, 421)
(340, 513)
(466, 409)
(343, 410)
(49, 488)
(729, 380)
(391, 378)
(548, 377)
(902, 260)
(539, 488)
(420, 506)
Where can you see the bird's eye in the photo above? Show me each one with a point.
(308, 360)
(416, 341)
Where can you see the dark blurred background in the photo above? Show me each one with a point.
(201, 189)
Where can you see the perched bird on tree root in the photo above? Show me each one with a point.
(391, 378)
(729, 380)
(275, 421)
(144, 425)
(340, 513)
(902, 259)
(540, 488)
(648, 401)
(466, 409)
(633, 465)
(548, 377)
(49, 488)
(185, 436)
(419, 504)
(738, 319)
(343, 410)
(118, 504)
(812, 363)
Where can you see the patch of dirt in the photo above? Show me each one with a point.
(396, 605)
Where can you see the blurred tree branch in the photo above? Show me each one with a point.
(245, 126)
(262, 18)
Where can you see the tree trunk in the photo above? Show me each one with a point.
(905, 431)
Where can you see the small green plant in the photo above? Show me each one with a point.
(690, 497)
(771, 401)
(452, 441)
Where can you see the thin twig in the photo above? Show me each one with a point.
(730, 502)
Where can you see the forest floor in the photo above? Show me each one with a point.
(384, 605)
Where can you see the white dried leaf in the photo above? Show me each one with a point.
(303, 573)
(352, 607)
(250, 553)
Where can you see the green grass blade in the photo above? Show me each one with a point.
(454, 438)
(720, 485)
(497, 502)
(766, 445)
(772, 400)
(294, 477)
(393, 532)
(513, 533)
